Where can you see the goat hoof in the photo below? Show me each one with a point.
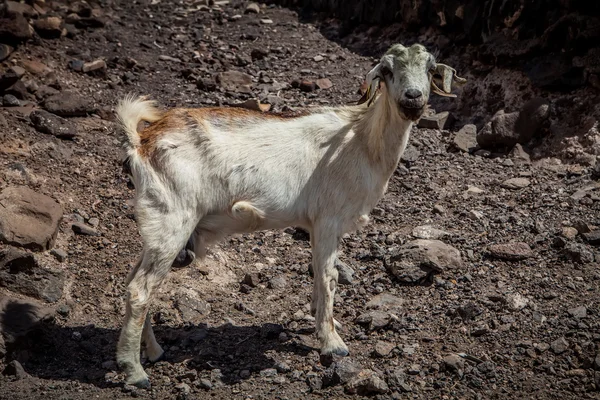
(340, 351)
(184, 258)
(161, 357)
(141, 384)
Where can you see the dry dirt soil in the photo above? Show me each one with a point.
(515, 318)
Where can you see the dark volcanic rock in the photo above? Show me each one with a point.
(69, 104)
(51, 124)
(20, 273)
(15, 30)
(28, 219)
(19, 317)
(416, 260)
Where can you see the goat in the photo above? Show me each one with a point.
(202, 174)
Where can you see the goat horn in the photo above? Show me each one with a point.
(448, 77)
(440, 92)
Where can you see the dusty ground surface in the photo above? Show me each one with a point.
(490, 328)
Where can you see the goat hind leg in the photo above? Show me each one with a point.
(159, 253)
(153, 350)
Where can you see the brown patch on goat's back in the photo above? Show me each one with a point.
(171, 120)
(182, 118)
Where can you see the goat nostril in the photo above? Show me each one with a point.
(413, 94)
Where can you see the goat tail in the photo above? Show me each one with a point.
(131, 111)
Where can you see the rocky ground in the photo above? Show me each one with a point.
(477, 279)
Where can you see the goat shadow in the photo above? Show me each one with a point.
(87, 353)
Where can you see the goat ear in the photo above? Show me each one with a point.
(445, 76)
(373, 80)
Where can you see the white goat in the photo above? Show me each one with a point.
(210, 172)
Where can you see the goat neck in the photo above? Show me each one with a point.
(386, 132)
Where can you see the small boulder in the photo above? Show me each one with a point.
(500, 131)
(466, 139)
(28, 219)
(21, 317)
(96, 67)
(49, 27)
(435, 121)
(341, 372)
(14, 368)
(15, 30)
(531, 118)
(21, 273)
(51, 124)
(416, 260)
(69, 104)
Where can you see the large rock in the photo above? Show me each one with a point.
(69, 104)
(51, 124)
(28, 219)
(466, 139)
(416, 260)
(19, 317)
(15, 30)
(21, 273)
(500, 131)
(531, 118)
(49, 27)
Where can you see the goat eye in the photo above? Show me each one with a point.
(385, 71)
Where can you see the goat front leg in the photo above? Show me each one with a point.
(325, 240)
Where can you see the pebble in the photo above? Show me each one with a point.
(251, 279)
(282, 367)
(414, 369)
(513, 251)
(516, 183)
(324, 83)
(207, 385)
(569, 232)
(83, 229)
(439, 209)
(578, 312)
(252, 8)
(268, 373)
(278, 282)
(10, 101)
(97, 67)
(183, 388)
(454, 363)
(367, 382)
(383, 349)
(59, 254)
(318, 58)
(266, 21)
(559, 346)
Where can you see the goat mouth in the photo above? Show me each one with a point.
(410, 112)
